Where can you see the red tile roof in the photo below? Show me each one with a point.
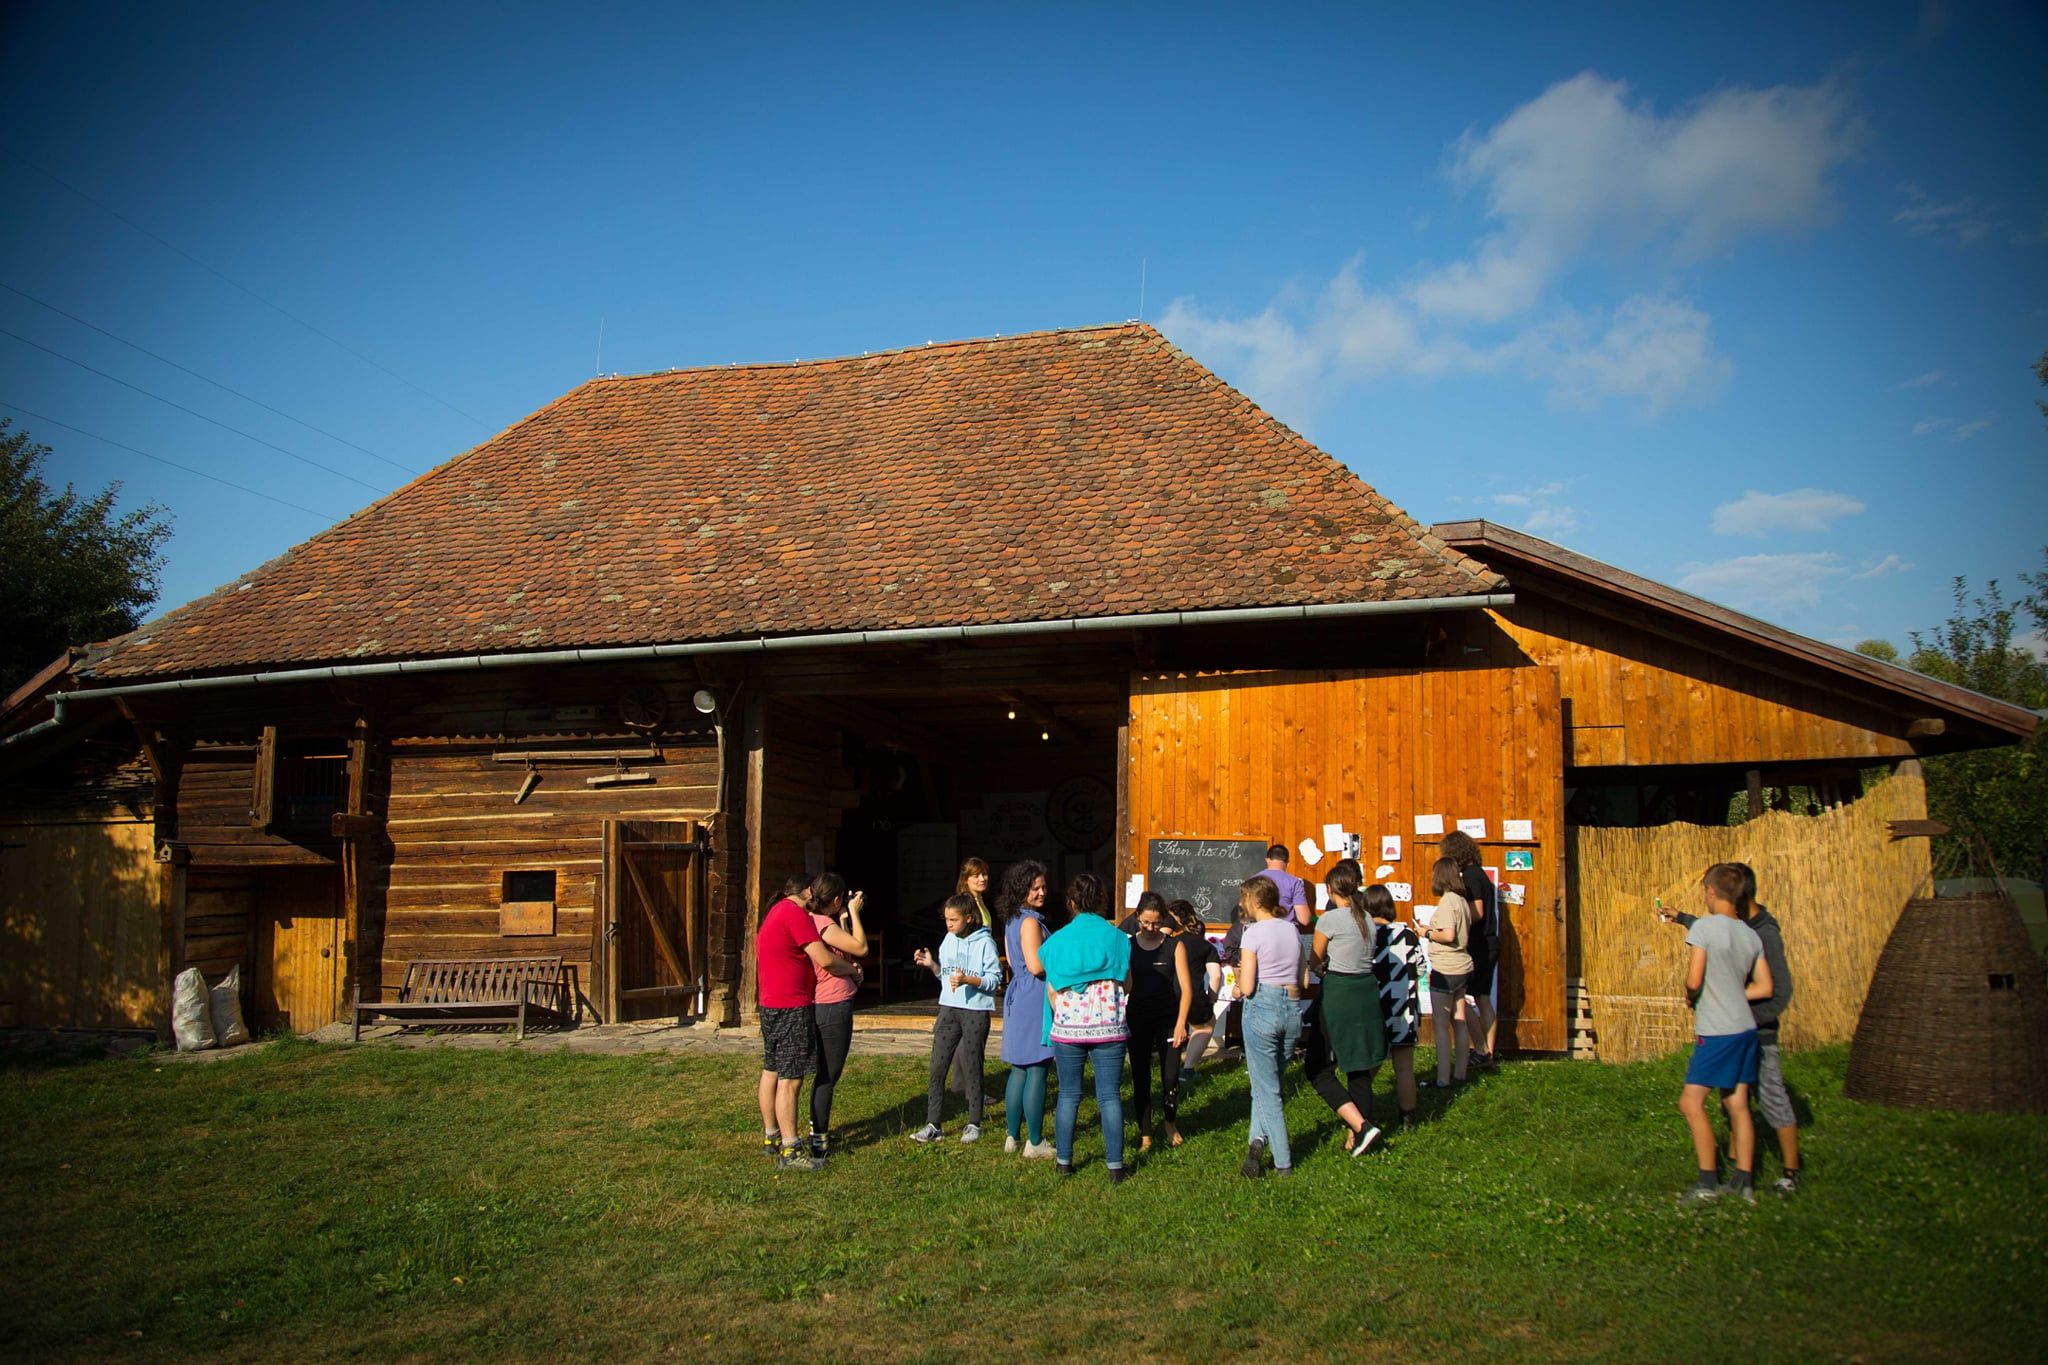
(1092, 472)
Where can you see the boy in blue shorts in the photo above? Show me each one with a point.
(1726, 972)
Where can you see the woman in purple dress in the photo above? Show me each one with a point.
(1019, 909)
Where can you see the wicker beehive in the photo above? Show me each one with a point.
(1957, 1015)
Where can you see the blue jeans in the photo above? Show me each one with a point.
(1109, 1076)
(1272, 1026)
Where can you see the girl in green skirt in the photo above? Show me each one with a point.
(1353, 1030)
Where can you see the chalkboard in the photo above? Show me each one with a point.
(1206, 872)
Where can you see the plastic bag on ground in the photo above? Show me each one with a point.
(191, 1012)
(228, 1027)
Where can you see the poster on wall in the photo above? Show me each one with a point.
(1403, 892)
(1429, 824)
(1519, 860)
(1390, 848)
(1476, 828)
(1518, 831)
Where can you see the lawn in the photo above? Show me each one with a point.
(322, 1202)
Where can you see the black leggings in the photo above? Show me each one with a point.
(958, 1031)
(835, 1039)
(1153, 1037)
(1322, 1070)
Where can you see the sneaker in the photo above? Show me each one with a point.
(1254, 1159)
(1038, 1150)
(929, 1133)
(771, 1144)
(1746, 1193)
(1788, 1183)
(798, 1159)
(971, 1133)
(1009, 1142)
(820, 1144)
(1367, 1140)
(1283, 1171)
(1119, 1174)
(1063, 1168)
(1701, 1194)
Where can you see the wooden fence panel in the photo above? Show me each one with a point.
(1836, 883)
(79, 927)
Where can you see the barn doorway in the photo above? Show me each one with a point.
(896, 794)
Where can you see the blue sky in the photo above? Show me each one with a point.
(1740, 300)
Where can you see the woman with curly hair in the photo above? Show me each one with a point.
(1020, 910)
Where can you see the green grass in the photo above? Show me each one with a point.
(380, 1204)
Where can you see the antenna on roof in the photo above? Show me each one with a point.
(600, 348)
(1142, 263)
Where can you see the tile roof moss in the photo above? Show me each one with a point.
(1092, 472)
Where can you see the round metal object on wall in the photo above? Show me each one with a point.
(1081, 812)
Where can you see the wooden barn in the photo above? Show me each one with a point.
(591, 690)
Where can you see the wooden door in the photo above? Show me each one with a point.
(1276, 756)
(654, 919)
(299, 957)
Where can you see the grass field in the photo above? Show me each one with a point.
(317, 1202)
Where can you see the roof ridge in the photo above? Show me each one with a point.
(1130, 325)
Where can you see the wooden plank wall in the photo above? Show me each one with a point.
(1640, 700)
(220, 922)
(214, 797)
(454, 829)
(1276, 755)
(78, 922)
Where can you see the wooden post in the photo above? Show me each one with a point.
(358, 856)
(1122, 826)
(1756, 792)
(166, 758)
(741, 924)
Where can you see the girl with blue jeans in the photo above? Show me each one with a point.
(1088, 981)
(1269, 983)
(1019, 909)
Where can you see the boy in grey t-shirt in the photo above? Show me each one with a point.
(1727, 971)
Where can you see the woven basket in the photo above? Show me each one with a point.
(1957, 1015)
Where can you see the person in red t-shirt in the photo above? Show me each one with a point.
(787, 948)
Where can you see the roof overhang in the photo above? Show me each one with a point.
(1911, 693)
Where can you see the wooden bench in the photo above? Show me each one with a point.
(495, 991)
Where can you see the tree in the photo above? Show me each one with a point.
(1882, 650)
(71, 571)
(1995, 800)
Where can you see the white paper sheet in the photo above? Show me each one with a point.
(1133, 889)
(1390, 848)
(1518, 831)
(1403, 892)
(1513, 892)
(1333, 837)
(1429, 824)
(1382, 872)
(1309, 852)
(1475, 828)
(1322, 896)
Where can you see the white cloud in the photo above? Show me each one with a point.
(1581, 168)
(1882, 568)
(1957, 430)
(1762, 582)
(2032, 641)
(1921, 381)
(1536, 510)
(1958, 222)
(1802, 509)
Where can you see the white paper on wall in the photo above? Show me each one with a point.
(1429, 824)
(1518, 831)
(1402, 891)
(1382, 872)
(1309, 852)
(1390, 848)
(1475, 828)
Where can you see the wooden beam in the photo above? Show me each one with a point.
(165, 756)
(645, 754)
(1928, 727)
(755, 748)
(1755, 777)
(263, 784)
(1914, 829)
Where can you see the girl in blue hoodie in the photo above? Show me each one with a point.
(970, 972)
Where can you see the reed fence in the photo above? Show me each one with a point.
(1836, 883)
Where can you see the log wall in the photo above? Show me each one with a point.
(454, 829)
(215, 793)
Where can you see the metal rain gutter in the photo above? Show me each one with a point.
(776, 643)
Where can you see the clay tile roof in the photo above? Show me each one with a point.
(1092, 472)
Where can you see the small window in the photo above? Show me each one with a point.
(529, 886)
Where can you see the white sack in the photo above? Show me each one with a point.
(227, 1009)
(191, 1021)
